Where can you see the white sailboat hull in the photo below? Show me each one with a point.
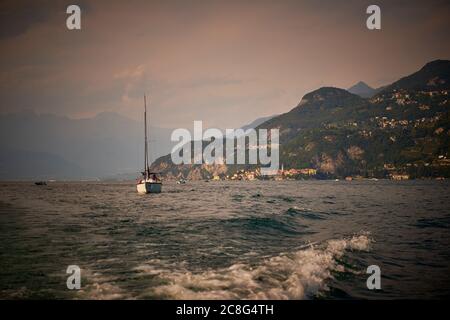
(149, 187)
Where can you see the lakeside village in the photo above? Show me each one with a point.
(306, 174)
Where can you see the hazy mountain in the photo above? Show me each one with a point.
(251, 125)
(404, 128)
(104, 145)
(257, 122)
(28, 165)
(362, 89)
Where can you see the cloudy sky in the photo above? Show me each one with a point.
(223, 62)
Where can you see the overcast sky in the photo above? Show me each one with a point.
(223, 62)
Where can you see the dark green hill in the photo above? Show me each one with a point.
(322, 107)
(435, 75)
(403, 129)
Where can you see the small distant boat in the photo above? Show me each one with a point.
(150, 181)
(40, 183)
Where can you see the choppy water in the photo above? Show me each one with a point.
(238, 240)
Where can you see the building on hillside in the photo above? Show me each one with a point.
(399, 176)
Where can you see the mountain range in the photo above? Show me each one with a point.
(399, 128)
(403, 129)
(46, 146)
(108, 146)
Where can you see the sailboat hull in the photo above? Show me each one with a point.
(149, 187)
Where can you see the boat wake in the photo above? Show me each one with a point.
(298, 275)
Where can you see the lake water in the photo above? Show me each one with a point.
(228, 240)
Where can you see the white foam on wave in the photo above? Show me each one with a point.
(296, 275)
(99, 287)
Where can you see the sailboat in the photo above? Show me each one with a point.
(150, 182)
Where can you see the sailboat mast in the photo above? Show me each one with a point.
(146, 144)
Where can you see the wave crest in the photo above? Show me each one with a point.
(296, 275)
